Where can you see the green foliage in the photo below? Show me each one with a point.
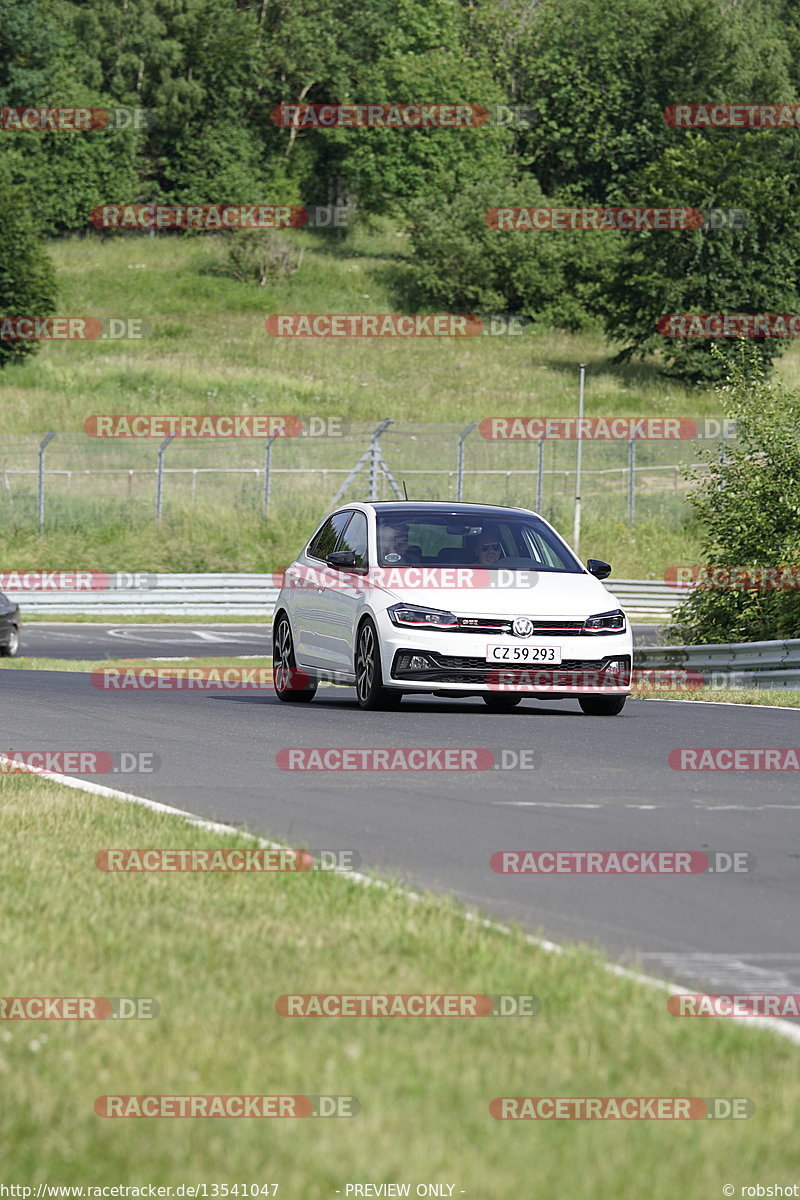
(27, 278)
(727, 270)
(28, 43)
(389, 167)
(65, 174)
(463, 265)
(600, 72)
(749, 506)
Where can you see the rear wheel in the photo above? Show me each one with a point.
(602, 706)
(369, 679)
(291, 685)
(11, 648)
(501, 701)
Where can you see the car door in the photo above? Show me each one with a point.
(308, 595)
(339, 601)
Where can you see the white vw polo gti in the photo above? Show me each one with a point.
(450, 599)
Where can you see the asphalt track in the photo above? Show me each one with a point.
(603, 784)
(95, 641)
(92, 641)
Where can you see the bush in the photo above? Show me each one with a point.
(27, 277)
(749, 507)
(262, 256)
(463, 265)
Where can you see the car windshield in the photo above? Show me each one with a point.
(494, 539)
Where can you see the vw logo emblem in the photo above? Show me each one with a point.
(522, 627)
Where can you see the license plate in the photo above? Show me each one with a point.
(503, 653)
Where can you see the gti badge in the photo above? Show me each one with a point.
(522, 627)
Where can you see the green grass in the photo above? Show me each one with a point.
(205, 538)
(770, 697)
(206, 351)
(216, 951)
(164, 664)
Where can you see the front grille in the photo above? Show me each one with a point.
(480, 664)
(503, 625)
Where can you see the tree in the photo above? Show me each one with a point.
(753, 269)
(749, 506)
(387, 168)
(198, 69)
(65, 174)
(28, 43)
(27, 278)
(600, 72)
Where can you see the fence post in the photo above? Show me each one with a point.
(539, 474)
(576, 524)
(42, 446)
(460, 476)
(267, 481)
(375, 458)
(160, 474)
(631, 489)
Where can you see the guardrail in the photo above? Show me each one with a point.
(774, 664)
(747, 664)
(646, 597)
(244, 595)
(234, 595)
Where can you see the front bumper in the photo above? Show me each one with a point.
(435, 661)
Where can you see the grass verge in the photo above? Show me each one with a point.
(769, 697)
(216, 951)
(135, 664)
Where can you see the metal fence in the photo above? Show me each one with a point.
(44, 477)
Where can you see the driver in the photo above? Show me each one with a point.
(488, 548)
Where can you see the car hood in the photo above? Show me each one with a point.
(545, 595)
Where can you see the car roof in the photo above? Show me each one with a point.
(398, 507)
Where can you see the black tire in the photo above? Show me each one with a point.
(11, 648)
(501, 701)
(370, 692)
(291, 685)
(602, 706)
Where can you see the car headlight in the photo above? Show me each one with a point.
(413, 615)
(610, 622)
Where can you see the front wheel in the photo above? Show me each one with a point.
(501, 701)
(11, 648)
(602, 706)
(291, 685)
(371, 693)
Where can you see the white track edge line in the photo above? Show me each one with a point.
(773, 1024)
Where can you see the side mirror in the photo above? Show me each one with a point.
(341, 559)
(598, 568)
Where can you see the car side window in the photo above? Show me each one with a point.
(355, 538)
(543, 551)
(326, 540)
